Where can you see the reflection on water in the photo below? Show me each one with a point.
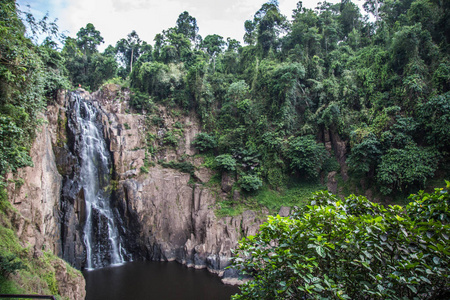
(155, 280)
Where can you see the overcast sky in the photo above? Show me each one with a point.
(116, 18)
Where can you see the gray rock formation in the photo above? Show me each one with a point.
(285, 211)
(166, 215)
(38, 199)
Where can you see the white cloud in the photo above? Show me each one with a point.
(116, 18)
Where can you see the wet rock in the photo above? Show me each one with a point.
(42, 223)
(332, 182)
(203, 174)
(227, 182)
(285, 211)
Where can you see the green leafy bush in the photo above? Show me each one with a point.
(351, 249)
(276, 177)
(204, 142)
(9, 263)
(250, 183)
(13, 154)
(225, 162)
(365, 155)
(402, 168)
(306, 155)
(141, 101)
(170, 138)
(331, 164)
(435, 118)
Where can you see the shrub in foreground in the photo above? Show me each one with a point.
(351, 249)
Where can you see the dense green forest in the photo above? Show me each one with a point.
(30, 75)
(378, 82)
(269, 106)
(363, 94)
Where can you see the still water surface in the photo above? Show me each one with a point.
(155, 280)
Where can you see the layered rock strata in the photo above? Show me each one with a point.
(35, 193)
(169, 214)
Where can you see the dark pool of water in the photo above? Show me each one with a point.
(155, 280)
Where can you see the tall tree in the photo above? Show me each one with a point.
(172, 46)
(85, 64)
(271, 24)
(250, 32)
(88, 38)
(187, 25)
(349, 17)
(268, 23)
(329, 25)
(232, 44)
(213, 44)
(129, 50)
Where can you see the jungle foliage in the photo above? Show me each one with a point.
(299, 93)
(329, 74)
(288, 105)
(351, 249)
(30, 76)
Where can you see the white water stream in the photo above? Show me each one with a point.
(101, 237)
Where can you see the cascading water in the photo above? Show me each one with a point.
(101, 237)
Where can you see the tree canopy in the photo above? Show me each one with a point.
(297, 91)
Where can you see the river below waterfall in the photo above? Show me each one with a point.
(155, 280)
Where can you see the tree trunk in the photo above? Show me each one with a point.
(131, 60)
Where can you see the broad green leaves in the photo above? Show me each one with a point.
(204, 142)
(351, 249)
(226, 162)
(250, 182)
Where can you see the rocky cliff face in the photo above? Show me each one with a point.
(35, 193)
(169, 214)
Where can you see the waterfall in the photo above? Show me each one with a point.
(103, 245)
